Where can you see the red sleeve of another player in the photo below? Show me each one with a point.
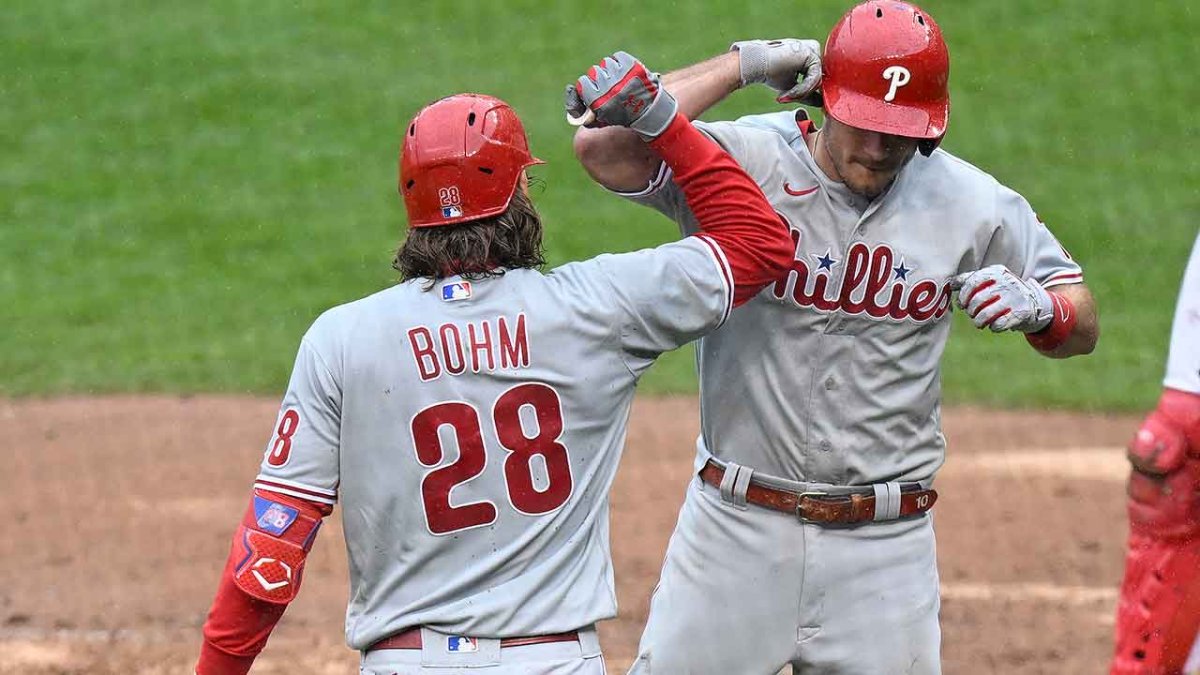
(268, 549)
(729, 207)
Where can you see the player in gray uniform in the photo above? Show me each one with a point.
(470, 418)
(804, 538)
(1158, 616)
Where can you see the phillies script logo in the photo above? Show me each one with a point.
(875, 283)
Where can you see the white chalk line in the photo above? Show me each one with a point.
(1027, 592)
(1096, 463)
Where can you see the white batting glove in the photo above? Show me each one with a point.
(789, 66)
(996, 298)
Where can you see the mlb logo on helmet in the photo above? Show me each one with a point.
(456, 290)
(461, 644)
(451, 212)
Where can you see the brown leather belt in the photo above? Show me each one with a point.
(823, 508)
(411, 639)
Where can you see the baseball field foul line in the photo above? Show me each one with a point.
(1107, 464)
(1042, 592)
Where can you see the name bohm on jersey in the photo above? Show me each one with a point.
(874, 282)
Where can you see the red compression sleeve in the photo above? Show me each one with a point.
(238, 625)
(729, 206)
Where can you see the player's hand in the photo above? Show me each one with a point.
(996, 298)
(620, 91)
(1168, 434)
(1165, 454)
(789, 66)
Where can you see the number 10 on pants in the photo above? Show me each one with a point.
(464, 420)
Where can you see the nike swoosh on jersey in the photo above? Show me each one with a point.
(799, 193)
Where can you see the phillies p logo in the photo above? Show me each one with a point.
(899, 76)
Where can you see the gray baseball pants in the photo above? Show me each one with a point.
(748, 590)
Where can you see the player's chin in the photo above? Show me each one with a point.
(869, 183)
(867, 188)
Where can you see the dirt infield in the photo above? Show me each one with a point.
(118, 513)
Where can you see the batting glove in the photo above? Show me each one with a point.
(780, 64)
(620, 91)
(996, 298)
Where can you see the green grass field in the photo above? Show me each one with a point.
(187, 185)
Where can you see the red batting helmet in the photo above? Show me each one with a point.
(462, 159)
(886, 69)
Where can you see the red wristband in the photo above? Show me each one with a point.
(1056, 333)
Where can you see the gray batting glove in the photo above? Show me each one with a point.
(620, 91)
(779, 64)
(996, 298)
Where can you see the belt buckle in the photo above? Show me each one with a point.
(800, 504)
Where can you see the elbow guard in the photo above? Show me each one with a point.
(272, 544)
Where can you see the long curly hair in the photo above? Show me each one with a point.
(475, 249)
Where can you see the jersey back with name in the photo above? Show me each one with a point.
(471, 433)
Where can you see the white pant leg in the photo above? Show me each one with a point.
(871, 600)
(727, 599)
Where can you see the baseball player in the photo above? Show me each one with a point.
(470, 418)
(1158, 616)
(804, 536)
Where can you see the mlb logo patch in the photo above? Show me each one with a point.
(273, 517)
(451, 201)
(460, 644)
(457, 290)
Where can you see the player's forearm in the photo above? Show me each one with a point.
(619, 160)
(237, 629)
(701, 86)
(1086, 332)
(262, 575)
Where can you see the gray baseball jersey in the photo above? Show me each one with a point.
(1183, 363)
(832, 375)
(472, 432)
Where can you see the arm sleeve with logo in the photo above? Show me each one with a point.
(295, 489)
(1023, 244)
(1183, 363)
(677, 292)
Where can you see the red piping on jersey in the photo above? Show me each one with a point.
(303, 492)
(729, 207)
(719, 257)
(1064, 277)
